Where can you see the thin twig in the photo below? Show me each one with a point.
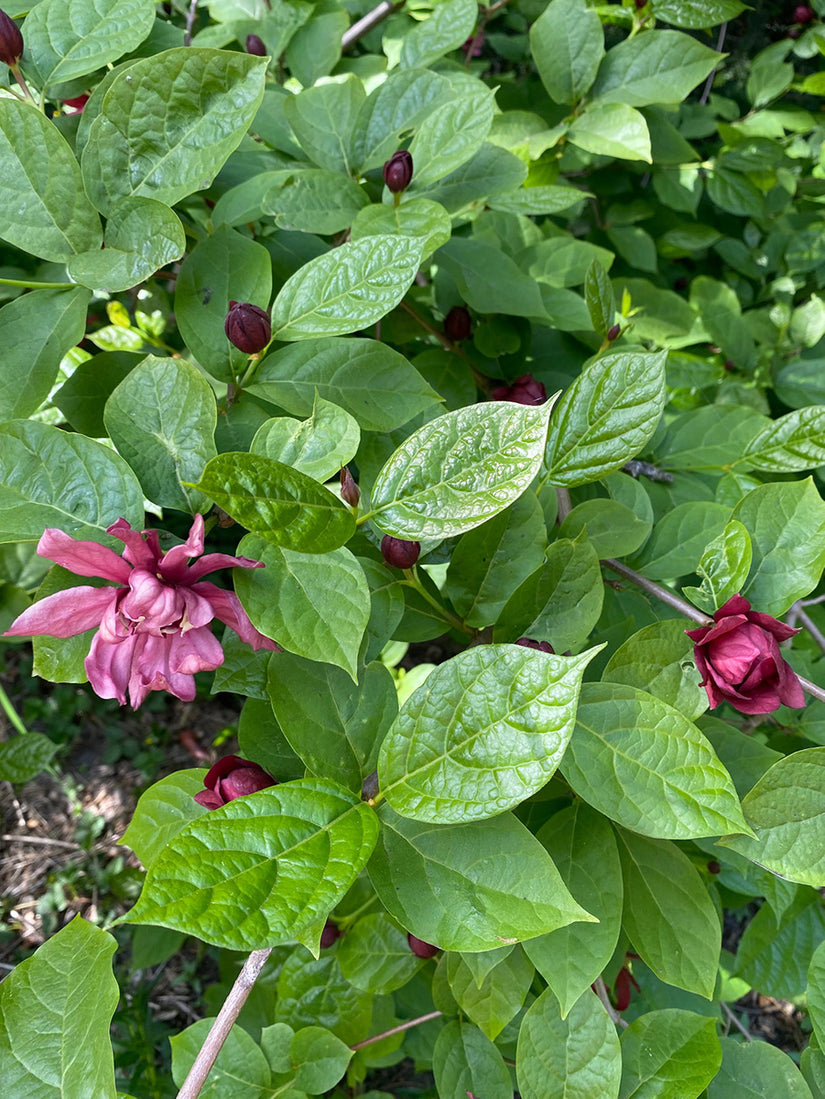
(600, 989)
(365, 24)
(720, 41)
(191, 15)
(732, 1018)
(219, 1032)
(41, 840)
(397, 1029)
(564, 504)
(798, 614)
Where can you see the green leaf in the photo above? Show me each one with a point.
(789, 444)
(698, 14)
(53, 478)
(606, 417)
(465, 1061)
(775, 949)
(680, 539)
(612, 528)
(599, 298)
(269, 498)
(323, 119)
(659, 659)
(162, 811)
(261, 738)
(494, 1000)
(786, 523)
(791, 844)
(348, 288)
(469, 887)
(746, 758)
(486, 730)
(577, 1057)
(612, 129)
(721, 314)
(724, 568)
(751, 1070)
(334, 725)
(460, 469)
(397, 105)
(141, 236)
(241, 1070)
(83, 396)
(452, 132)
(418, 217)
(713, 437)
(643, 764)
(162, 420)
(582, 845)
(669, 1054)
(656, 67)
(320, 1059)
(313, 200)
(55, 1011)
(36, 331)
(668, 914)
(542, 199)
(563, 261)
(375, 955)
(315, 48)
(374, 383)
(567, 43)
(70, 38)
(490, 171)
(44, 209)
(319, 446)
(24, 756)
(450, 24)
(488, 280)
(266, 868)
(313, 990)
(201, 103)
(316, 605)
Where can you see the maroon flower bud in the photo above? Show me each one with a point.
(420, 948)
(729, 364)
(739, 660)
(681, 283)
(624, 979)
(803, 14)
(11, 40)
(458, 324)
(77, 104)
(541, 646)
(350, 492)
(330, 934)
(230, 778)
(614, 331)
(524, 390)
(400, 553)
(714, 867)
(247, 326)
(255, 45)
(398, 171)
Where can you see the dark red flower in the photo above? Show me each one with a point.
(458, 324)
(420, 948)
(247, 326)
(740, 662)
(77, 104)
(330, 934)
(803, 14)
(542, 646)
(614, 331)
(624, 979)
(255, 45)
(230, 778)
(399, 553)
(524, 390)
(398, 171)
(11, 40)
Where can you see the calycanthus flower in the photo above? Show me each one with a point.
(154, 629)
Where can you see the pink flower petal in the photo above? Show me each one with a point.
(194, 651)
(83, 558)
(64, 614)
(213, 561)
(208, 799)
(109, 666)
(172, 565)
(137, 550)
(228, 609)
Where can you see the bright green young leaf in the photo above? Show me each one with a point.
(263, 869)
(680, 539)
(162, 811)
(451, 23)
(656, 67)
(24, 756)
(669, 1054)
(418, 217)
(659, 659)
(269, 498)
(320, 1059)
(323, 119)
(319, 446)
(792, 443)
(348, 288)
(486, 730)
(606, 417)
(375, 955)
(241, 1070)
(466, 1062)
(55, 1011)
(44, 209)
(567, 43)
(644, 765)
(612, 129)
(469, 887)
(724, 568)
(494, 1000)
(577, 1057)
(668, 914)
(751, 1070)
(460, 469)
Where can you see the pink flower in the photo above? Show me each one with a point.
(740, 662)
(154, 629)
(230, 778)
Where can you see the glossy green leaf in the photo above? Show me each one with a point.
(697, 14)
(319, 446)
(494, 1000)
(745, 757)
(201, 102)
(724, 568)
(612, 528)
(486, 730)
(450, 24)
(24, 756)
(713, 437)
(418, 217)
(162, 420)
(793, 442)
(668, 915)
(348, 288)
(669, 1054)
(313, 200)
(469, 887)
(162, 811)
(53, 478)
(398, 104)
(567, 43)
(459, 470)
(643, 764)
(577, 1057)
(659, 659)
(375, 955)
(606, 417)
(465, 1061)
(657, 67)
(261, 738)
(44, 209)
(680, 539)
(240, 1070)
(55, 1011)
(775, 950)
(600, 300)
(313, 990)
(263, 869)
(491, 171)
(323, 118)
(452, 132)
(612, 129)
(751, 1070)
(315, 605)
(276, 501)
(488, 279)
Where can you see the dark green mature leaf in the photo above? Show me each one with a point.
(24, 756)
(599, 298)
(712, 437)
(375, 955)
(36, 331)
(791, 443)
(313, 200)
(668, 914)
(669, 1054)
(606, 417)
(52, 478)
(323, 119)
(265, 868)
(466, 1062)
(567, 43)
(489, 280)
(44, 209)
(346, 289)
(643, 764)
(657, 67)
(83, 397)
(240, 1070)
(450, 24)
(460, 469)
(469, 887)
(261, 738)
(816, 991)
(659, 659)
(722, 318)
(697, 14)
(201, 102)
(491, 171)
(751, 1070)
(55, 1011)
(611, 528)
(398, 104)
(577, 1057)
(775, 949)
(162, 811)
(680, 539)
(272, 499)
(486, 730)
(374, 383)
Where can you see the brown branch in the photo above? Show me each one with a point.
(732, 1019)
(397, 1029)
(365, 24)
(720, 41)
(191, 15)
(600, 989)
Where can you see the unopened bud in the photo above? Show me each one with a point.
(330, 934)
(714, 867)
(398, 171)
(255, 45)
(613, 332)
(420, 948)
(11, 40)
(247, 326)
(524, 390)
(400, 553)
(458, 324)
(803, 14)
(542, 646)
(350, 492)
